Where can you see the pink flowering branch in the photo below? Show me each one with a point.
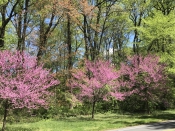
(23, 83)
(143, 76)
(95, 81)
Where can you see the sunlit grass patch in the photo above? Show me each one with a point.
(101, 122)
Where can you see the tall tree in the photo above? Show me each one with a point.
(116, 34)
(49, 18)
(21, 21)
(95, 26)
(138, 10)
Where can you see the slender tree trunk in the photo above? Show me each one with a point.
(5, 114)
(96, 48)
(3, 25)
(69, 43)
(69, 48)
(93, 107)
(19, 31)
(2, 34)
(22, 27)
(135, 43)
(85, 38)
(42, 40)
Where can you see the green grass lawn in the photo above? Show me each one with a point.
(101, 122)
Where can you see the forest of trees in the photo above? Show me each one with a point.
(72, 37)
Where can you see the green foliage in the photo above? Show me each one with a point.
(135, 104)
(10, 37)
(169, 59)
(3, 2)
(157, 32)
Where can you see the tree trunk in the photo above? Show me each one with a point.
(21, 29)
(69, 44)
(42, 40)
(93, 107)
(69, 48)
(3, 25)
(135, 43)
(85, 38)
(2, 34)
(5, 114)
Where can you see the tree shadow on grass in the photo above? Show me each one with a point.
(20, 129)
(76, 119)
(170, 124)
(141, 122)
(157, 125)
(122, 123)
(165, 116)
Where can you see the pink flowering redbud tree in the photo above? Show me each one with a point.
(23, 83)
(145, 77)
(94, 81)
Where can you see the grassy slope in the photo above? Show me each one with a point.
(100, 123)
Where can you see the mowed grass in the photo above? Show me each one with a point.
(101, 122)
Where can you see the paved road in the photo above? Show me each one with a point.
(163, 126)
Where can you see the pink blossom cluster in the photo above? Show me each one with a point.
(22, 82)
(96, 80)
(143, 75)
